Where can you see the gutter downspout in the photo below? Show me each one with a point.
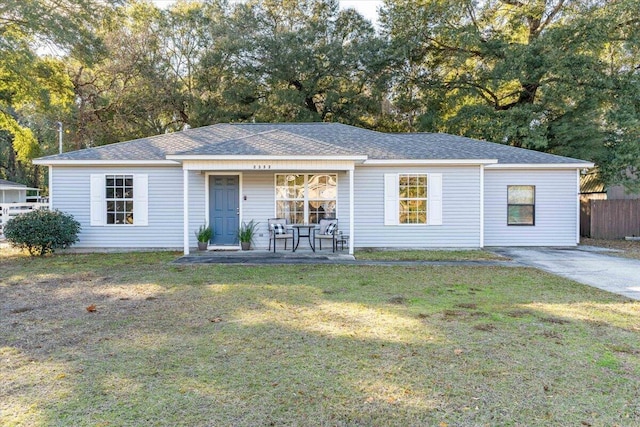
(577, 206)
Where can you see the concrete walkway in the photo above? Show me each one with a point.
(588, 265)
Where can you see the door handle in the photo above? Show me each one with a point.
(237, 211)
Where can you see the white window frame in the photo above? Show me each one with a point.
(98, 199)
(305, 199)
(409, 199)
(532, 205)
(122, 199)
(392, 199)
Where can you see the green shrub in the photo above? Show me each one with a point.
(42, 231)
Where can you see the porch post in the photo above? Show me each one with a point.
(185, 209)
(481, 206)
(351, 210)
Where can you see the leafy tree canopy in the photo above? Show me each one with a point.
(553, 75)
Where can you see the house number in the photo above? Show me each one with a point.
(262, 166)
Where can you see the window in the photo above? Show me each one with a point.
(412, 198)
(115, 198)
(303, 198)
(521, 204)
(119, 197)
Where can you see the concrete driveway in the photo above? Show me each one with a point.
(589, 265)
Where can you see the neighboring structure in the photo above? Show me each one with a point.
(14, 200)
(607, 212)
(415, 190)
(12, 192)
(592, 188)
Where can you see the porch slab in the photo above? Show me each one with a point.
(320, 257)
(265, 257)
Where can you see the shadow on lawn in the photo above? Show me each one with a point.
(316, 345)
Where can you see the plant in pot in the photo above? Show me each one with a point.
(245, 234)
(203, 235)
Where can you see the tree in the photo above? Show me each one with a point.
(123, 95)
(528, 73)
(310, 61)
(32, 84)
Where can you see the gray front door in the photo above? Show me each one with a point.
(223, 209)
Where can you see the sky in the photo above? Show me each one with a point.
(367, 8)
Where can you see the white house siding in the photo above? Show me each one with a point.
(258, 188)
(71, 187)
(460, 210)
(555, 208)
(197, 204)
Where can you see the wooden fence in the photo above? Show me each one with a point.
(609, 219)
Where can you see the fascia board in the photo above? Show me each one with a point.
(445, 162)
(541, 166)
(104, 162)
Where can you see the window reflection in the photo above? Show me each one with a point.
(306, 198)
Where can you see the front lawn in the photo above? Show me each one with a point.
(232, 345)
(428, 255)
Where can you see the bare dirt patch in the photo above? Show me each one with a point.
(628, 248)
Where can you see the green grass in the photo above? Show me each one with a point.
(331, 345)
(428, 255)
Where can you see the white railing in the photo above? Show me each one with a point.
(11, 210)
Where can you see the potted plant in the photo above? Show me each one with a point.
(203, 235)
(245, 234)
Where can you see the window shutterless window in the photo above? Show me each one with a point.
(521, 204)
(306, 198)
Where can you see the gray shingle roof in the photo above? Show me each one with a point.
(310, 139)
(271, 142)
(5, 183)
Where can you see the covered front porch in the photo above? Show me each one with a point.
(225, 193)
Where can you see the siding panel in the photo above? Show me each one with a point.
(460, 210)
(164, 230)
(555, 210)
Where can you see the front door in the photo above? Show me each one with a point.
(223, 209)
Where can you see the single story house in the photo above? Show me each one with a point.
(13, 192)
(412, 190)
(15, 200)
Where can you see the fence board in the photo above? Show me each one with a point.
(610, 219)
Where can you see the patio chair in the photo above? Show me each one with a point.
(328, 231)
(278, 231)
